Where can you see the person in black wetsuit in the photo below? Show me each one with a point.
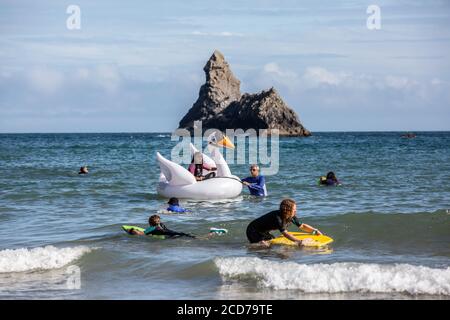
(157, 228)
(329, 180)
(258, 231)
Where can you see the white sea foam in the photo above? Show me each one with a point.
(338, 277)
(41, 258)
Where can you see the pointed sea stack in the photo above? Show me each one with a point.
(220, 105)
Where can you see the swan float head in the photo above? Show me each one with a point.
(218, 139)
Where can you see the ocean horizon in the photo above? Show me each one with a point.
(170, 132)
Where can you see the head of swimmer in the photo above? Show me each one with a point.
(288, 209)
(154, 220)
(331, 175)
(83, 170)
(254, 170)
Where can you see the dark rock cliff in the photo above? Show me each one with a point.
(220, 105)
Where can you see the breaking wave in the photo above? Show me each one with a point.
(40, 258)
(338, 277)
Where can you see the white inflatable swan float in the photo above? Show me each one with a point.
(177, 181)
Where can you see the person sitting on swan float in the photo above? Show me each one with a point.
(256, 183)
(177, 181)
(197, 166)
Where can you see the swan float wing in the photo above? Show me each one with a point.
(175, 174)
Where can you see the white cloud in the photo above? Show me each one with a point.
(6, 74)
(45, 80)
(345, 90)
(274, 69)
(107, 77)
(274, 75)
(49, 81)
(312, 77)
(436, 82)
(318, 76)
(217, 34)
(399, 83)
(228, 34)
(82, 74)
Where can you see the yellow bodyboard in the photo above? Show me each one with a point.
(316, 240)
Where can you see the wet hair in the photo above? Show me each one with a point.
(173, 201)
(152, 220)
(286, 207)
(83, 169)
(331, 175)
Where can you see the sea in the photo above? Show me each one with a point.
(61, 235)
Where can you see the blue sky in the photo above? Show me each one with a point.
(137, 65)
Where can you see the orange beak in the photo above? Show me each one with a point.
(225, 142)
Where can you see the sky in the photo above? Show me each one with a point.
(137, 66)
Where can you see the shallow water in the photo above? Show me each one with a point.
(389, 220)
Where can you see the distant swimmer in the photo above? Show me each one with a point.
(256, 183)
(329, 180)
(83, 170)
(174, 206)
(258, 231)
(197, 166)
(157, 228)
(409, 135)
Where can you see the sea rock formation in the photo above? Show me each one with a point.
(220, 105)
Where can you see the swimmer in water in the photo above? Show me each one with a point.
(83, 170)
(157, 228)
(174, 206)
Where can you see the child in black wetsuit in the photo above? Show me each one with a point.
(258, 231)
(159, 229)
